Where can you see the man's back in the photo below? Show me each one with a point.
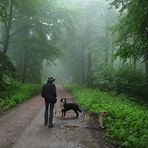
(48, 90)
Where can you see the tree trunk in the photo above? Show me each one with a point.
(107, 48)
(7, 26)
(82, 69)
(6, 36)
(112, 57)
(134, 63)
(106, 57)
(24, 68)
(89, 67)
(146, 67)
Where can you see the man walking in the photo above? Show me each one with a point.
(49, 94)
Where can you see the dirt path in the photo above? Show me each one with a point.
(23, 127)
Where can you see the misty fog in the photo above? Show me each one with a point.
(97, 53)
(75, 41)
(86, 40)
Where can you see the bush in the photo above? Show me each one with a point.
(131, 82)
(103, 78)
(123, 80)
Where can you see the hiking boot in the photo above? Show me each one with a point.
(50, 126)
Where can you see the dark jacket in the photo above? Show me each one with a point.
(49, 91)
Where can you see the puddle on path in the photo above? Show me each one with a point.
(71, 126)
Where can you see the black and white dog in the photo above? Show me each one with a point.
(69, 106)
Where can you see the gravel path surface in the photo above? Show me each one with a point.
(22, 127)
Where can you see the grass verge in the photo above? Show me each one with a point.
(16, 93)
(127, 121)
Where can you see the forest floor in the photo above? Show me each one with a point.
(22, 127)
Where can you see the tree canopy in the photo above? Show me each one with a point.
(132, 29)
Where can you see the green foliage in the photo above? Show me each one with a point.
(36, 36)
(3, 9)
(131, 82)
(127, 122)
(122, 80)
(103, 78)
(7, 69)
(132, 32)
(15, 93)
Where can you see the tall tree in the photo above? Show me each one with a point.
(132, 38)
(89, 44)
(36, 37)
(6, 10)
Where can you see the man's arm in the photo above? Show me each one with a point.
(43, 92)
(54, 92)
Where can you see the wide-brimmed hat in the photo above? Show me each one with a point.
(51, 79)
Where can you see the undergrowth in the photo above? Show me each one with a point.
(15, 93)
(127, 121)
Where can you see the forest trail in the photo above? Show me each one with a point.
(22, 127)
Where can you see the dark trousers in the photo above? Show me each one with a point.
(46, 120)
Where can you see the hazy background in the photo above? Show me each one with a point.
(98, 43)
